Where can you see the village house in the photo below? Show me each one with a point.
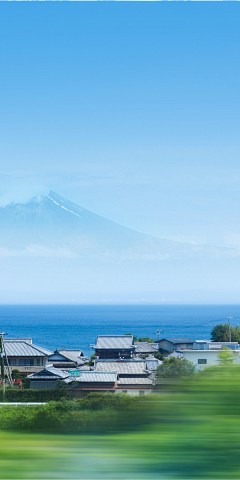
(47, 378)
(66, 358)
(135, 386)
(206, 354)
(133, 376)
(145, 348)
(169, 345)
(122, 375)
(114, 346)
(22, 355)
(124, 367)
(88, 382)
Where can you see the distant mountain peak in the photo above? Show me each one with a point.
(55, 248)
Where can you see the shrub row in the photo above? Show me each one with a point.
(13, 395)
(97, 413)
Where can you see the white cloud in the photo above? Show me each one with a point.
(22, 193)
(35, 250)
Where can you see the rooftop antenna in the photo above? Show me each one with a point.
(159, 332)
(3, 355)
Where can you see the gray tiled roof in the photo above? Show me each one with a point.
(176, 354)
(64, 364)
(9, 339)
(49, 373)
(86, 368)
(24, 349)
(66, 355)
(145, 347)
(98, 377)
(121, 366)
(72, 378)
(135, 381)
(114, 342)
(152, 363)
(73, 355)
(178, 340)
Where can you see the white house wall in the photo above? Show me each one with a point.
(211, 356)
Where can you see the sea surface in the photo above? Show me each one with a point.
(68, 326)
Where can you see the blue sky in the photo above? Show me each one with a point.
(129, 109)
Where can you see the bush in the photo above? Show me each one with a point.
(34, 395)
(175, 367)
(101, 401)
(93, 414)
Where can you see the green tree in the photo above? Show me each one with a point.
(175, 367)
(158, 355)
(220, 333)
(142, 339)
(91, 361)
(227, 356)
(16, 374)
(146, 339)
(26, 382)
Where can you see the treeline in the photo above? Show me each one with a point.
(220, 333)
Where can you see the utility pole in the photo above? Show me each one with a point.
(90, 346)
(159, 331)
(229, 328)
(2, 368)
(3, 356)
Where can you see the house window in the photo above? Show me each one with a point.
(38, 361)
(26, 362)
(12, 361)
(29, 362)
(141, 392)
(202, 361)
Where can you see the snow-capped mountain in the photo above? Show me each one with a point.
(54, 222)
(54, 250)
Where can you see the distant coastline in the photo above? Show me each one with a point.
(77, 326)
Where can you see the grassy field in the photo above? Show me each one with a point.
(194, 451)
(29, 456)
(194, 432)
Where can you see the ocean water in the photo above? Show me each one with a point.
(59, 326)
(77, 326)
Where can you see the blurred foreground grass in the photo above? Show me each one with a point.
(191, 432)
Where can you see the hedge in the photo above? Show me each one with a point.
(97, 414)
(28, 395)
